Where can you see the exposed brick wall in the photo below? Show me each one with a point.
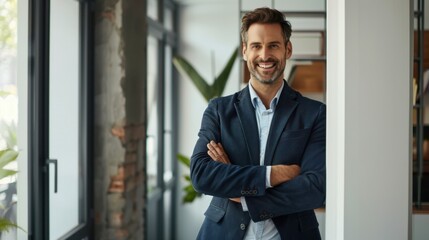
(125, 192)
(119, 119)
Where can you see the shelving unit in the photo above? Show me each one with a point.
(418, 167)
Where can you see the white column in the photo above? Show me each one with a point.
(369, 116)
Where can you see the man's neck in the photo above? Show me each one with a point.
(266, 92)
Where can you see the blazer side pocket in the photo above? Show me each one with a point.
(214, 213)
(216, 209)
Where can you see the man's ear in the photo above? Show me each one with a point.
(243, 50)
(288, 49)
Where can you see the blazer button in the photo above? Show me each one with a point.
(242, 226)
(243, 192)
(255, 192)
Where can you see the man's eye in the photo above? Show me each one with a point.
(256, 46)
(274, 46)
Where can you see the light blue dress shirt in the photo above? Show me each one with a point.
(263, 230)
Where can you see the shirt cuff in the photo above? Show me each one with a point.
(268, 178)
(244, 204)
(267, 185)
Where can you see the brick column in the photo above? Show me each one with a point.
(120, 105)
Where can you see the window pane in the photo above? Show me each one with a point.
(64, 117)
(168, 155)
(168, 214)
(8, 109)
(152, 220)
(168, 19)
(152, 110)
(152, 9)
(168, 100)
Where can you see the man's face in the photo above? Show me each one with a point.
(266, 52)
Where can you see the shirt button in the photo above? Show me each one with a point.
(242, 226)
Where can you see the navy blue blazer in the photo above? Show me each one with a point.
(297, 136)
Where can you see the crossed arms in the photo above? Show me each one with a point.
(279, 173)
(293, 188)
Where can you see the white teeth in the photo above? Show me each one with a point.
(265, 65)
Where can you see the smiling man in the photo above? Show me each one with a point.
(261, 151)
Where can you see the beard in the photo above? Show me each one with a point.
(278, 71)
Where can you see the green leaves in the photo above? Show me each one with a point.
(6, 225)
(8, 16)
(208, 91)
(7, 156)
(183, 159)
(190, 193)
(4, 93)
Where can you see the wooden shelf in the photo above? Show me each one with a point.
(308, 78)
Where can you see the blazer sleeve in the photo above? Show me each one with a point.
(218, 179)
(304, 192)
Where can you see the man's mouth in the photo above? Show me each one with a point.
(266, 65)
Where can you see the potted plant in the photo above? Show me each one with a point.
(208, 91)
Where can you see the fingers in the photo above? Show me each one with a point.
(217, 149)
(237, 200)
(214, 157)
(217, 153)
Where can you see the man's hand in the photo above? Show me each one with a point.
(237, 200)
(217, 153)
(283, 173)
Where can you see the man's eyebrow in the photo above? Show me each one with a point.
(258, 43)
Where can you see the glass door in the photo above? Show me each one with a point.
(60, 120)
(64, 112)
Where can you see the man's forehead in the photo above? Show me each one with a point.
(266, 32)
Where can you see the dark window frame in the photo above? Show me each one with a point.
(165, 38)
(38, 120)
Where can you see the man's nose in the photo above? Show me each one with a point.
(265, 53)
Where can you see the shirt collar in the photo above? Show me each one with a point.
(254, 96)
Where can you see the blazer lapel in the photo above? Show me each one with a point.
(284, 109)
(249, 126)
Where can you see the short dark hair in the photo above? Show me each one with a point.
(265, 15)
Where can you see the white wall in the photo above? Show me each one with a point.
(420, 229)
(369, 137)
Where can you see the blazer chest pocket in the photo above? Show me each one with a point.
(295, 134)
(291, 145)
